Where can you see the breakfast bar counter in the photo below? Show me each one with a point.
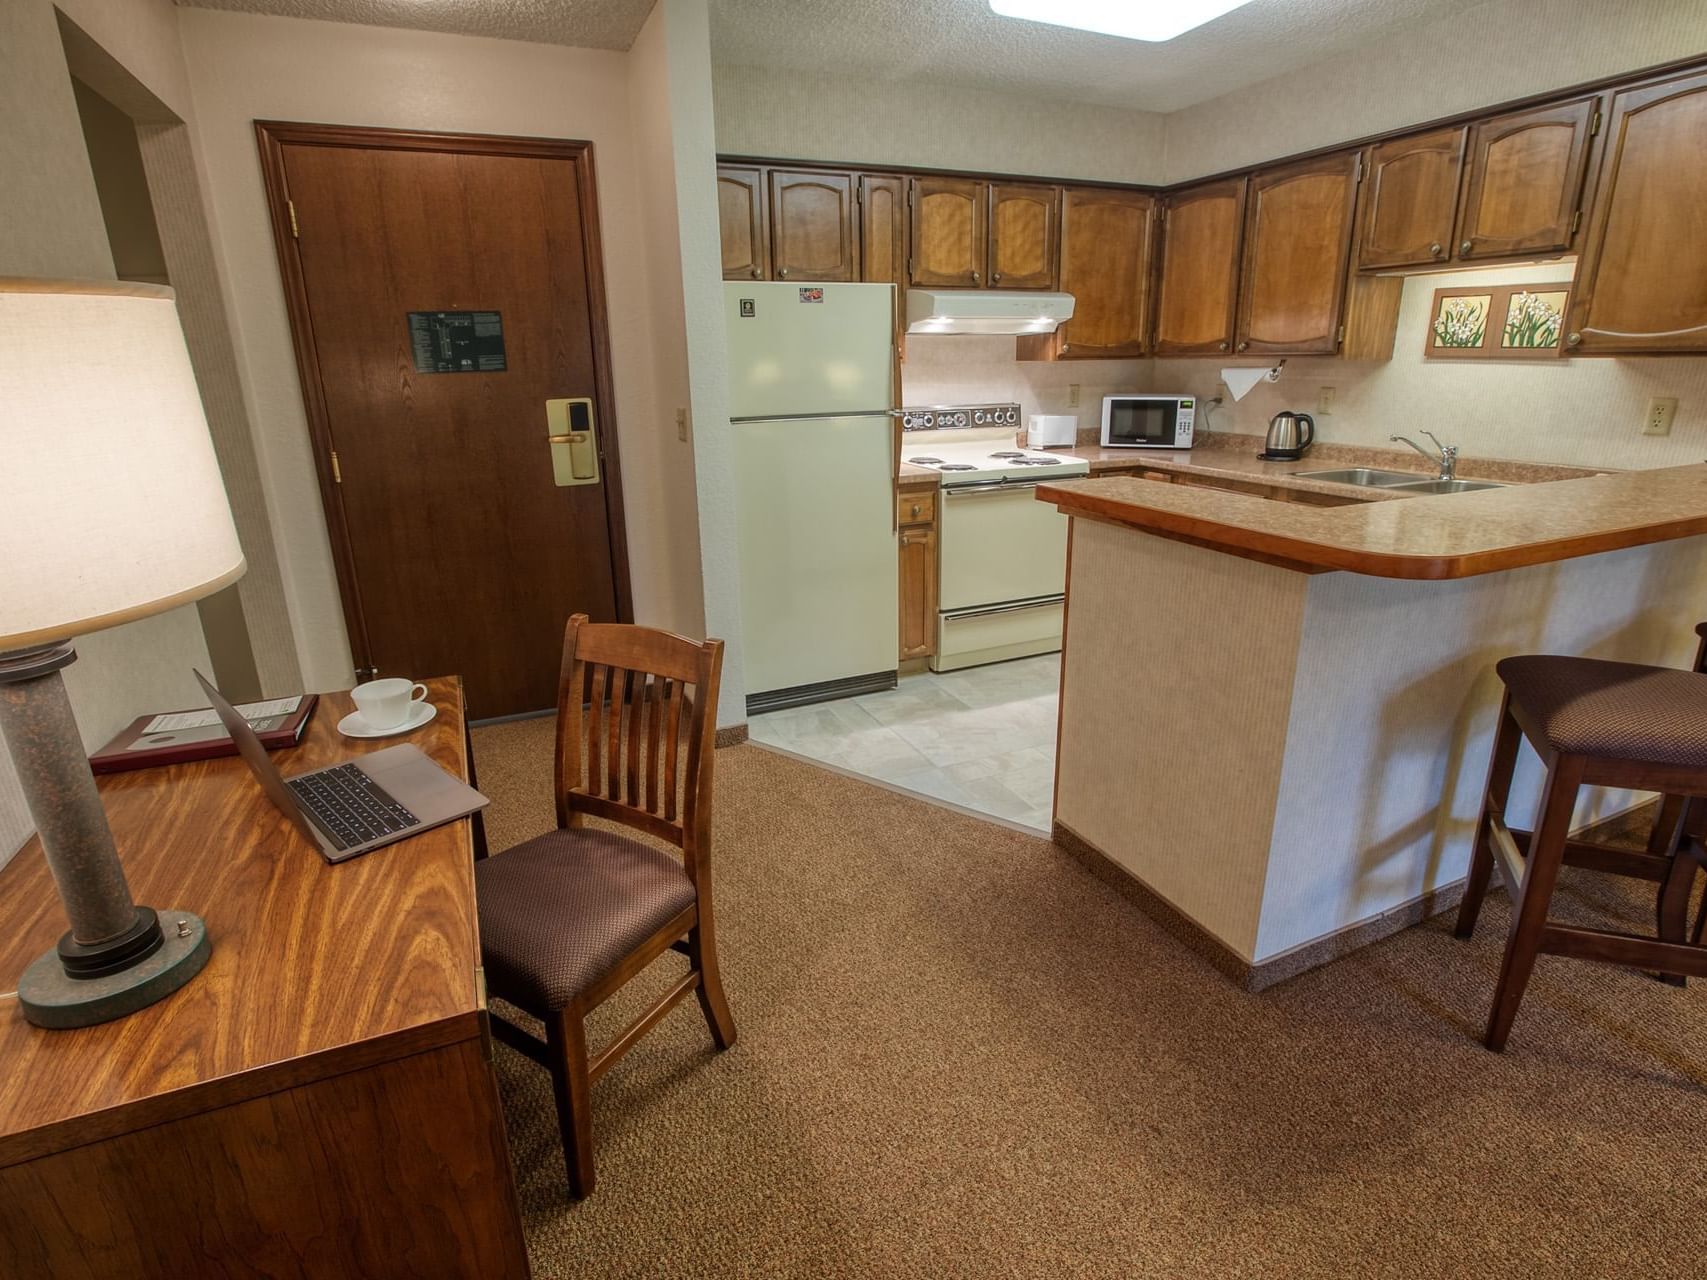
(1276, 717)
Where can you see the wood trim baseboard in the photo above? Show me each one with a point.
(732, 735)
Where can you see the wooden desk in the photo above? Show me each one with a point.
(318, 1102)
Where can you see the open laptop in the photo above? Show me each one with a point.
(366, 803)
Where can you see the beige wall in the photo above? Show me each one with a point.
(54, 228)
(799, 116)
(673, 60)
(1496, 52)
(245, 68)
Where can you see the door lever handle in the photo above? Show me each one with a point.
(570, 436)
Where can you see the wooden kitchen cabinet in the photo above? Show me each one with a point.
(1410, 199)
(882, 202)
(1641, 286)
(1198, 281)
(812, 225)
(918, 576)
(950, 231)
(1107, 239)
(1024, 235)
(1297, 245)
(742, 223)
(1524, 185)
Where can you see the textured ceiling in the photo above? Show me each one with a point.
(588, 24)
(961, 43)
(956, 43)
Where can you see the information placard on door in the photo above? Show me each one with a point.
(457, 341)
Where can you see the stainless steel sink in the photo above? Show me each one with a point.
(1444, 486)
(1368, 477)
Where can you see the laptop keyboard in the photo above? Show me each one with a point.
(350, 807)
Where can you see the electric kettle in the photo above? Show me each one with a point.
(1290, 436)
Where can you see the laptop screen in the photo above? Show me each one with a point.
(255, 756)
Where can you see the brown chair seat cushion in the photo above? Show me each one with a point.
(559, 912)
(1613, 710)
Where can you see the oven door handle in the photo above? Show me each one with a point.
(988, 487)
(966, 615)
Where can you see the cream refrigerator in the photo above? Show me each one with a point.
(811, 409)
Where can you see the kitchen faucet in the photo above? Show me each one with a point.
(1448, 458)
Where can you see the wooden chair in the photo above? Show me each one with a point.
(1593, 723)
(569, 917)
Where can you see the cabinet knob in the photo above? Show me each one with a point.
(1066, 346)
(975, 277)
(756, 273)
(1573, 340)
(1436, 249)
(1465, 247)
(1222, 347)
(1242, 345)
(995, 277)
(917, 508)
(782, 273)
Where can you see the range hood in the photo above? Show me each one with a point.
(986, 311)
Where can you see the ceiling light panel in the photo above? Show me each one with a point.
(1152, 20)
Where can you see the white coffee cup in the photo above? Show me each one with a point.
(385, 704)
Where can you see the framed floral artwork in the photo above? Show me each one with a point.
(1502, 322)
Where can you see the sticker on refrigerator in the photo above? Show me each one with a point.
(747, 311)
(812, 295)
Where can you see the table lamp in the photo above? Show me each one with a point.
(111, 509)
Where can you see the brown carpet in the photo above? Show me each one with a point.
(961, 1055)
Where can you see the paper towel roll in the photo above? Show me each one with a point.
(1240, 381)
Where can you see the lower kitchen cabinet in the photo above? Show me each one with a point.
(917, 511)
(1642, 285)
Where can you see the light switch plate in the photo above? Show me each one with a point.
(1072, 395)
(1325, 402)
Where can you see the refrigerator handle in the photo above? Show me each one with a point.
(895, 473)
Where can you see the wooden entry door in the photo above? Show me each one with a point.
(441, 289)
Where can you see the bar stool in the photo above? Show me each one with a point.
(1668, 828)
(1593, 723)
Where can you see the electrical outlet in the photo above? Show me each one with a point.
(681, 424)
(1325, 402)
(1661, 410)
(1072, 395)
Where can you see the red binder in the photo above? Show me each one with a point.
(137, 747)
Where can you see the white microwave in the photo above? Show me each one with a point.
(1148, 422)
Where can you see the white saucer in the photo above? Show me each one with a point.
(354, 726)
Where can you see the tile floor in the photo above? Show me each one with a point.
(982, 739)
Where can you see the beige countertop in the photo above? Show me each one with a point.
(1234, 458)
(1455, 535)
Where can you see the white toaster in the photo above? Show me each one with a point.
(1051, 431)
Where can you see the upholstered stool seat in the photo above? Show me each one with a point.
(1613, 710)
(563, 910)
(1593, 723)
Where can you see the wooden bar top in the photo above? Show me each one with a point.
(315, 969)
(1455, 535)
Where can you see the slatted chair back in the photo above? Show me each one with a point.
(635, 725)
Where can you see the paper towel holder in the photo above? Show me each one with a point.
(1240, 381)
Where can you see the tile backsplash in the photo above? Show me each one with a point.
(963, 369)
(1580, 412)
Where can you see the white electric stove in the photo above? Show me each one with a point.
(1002, 554)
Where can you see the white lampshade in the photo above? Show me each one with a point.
(111, 503)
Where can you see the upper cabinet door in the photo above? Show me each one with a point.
(1106, 245)
(882, 229)
(1410, 197)
(1023, 235)
(812, 226)
(741, 218)
(1525, 181)
(1199, 278)
(950, 234)
(1642, 283)
(1298, 222)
